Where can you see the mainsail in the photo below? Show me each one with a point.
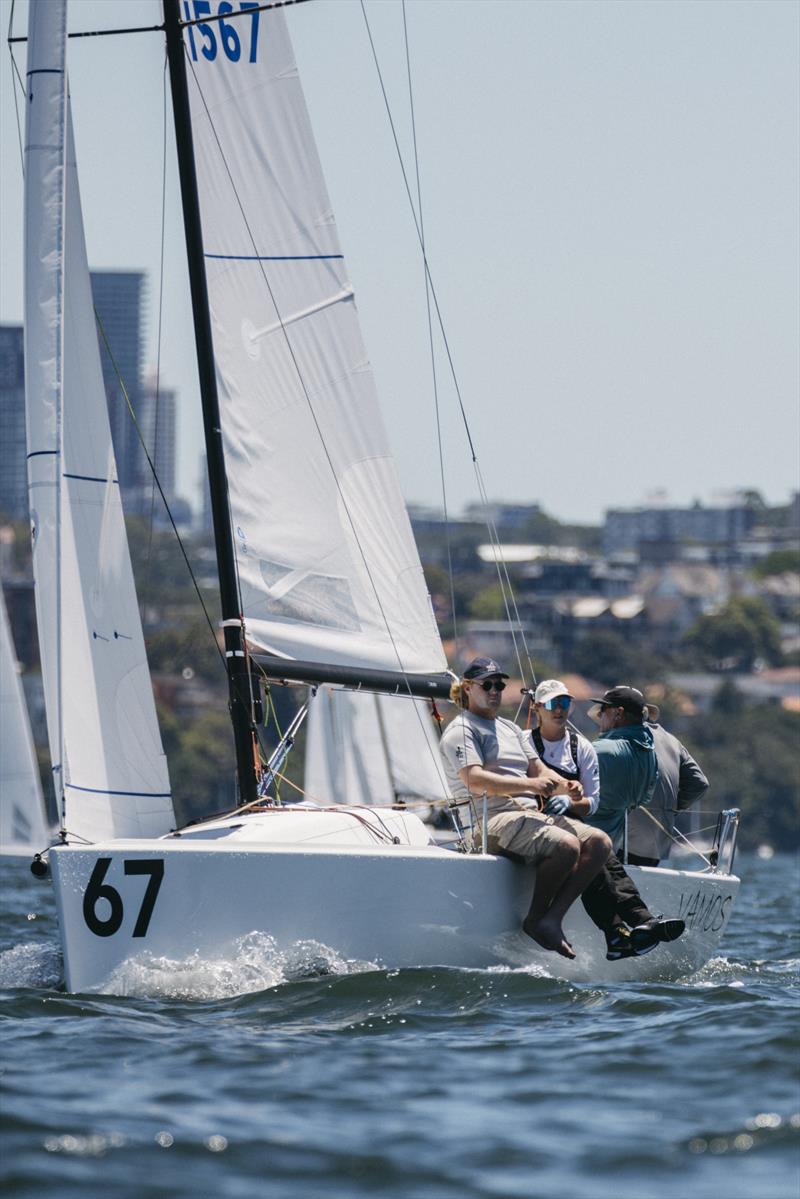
(328, 568)
(109, 767)
(365, 748)
(22, 817)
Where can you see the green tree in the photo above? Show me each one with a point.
(736, 636)
(750, 757)
(187, 643)
(612, 658)
(777, 563)
(488, 603)
(728, 701)
(201, 764)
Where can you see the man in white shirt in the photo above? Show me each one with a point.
(484, 754)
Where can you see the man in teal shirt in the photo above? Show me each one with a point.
(628, 775)
(627, 758)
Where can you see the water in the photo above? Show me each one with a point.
(328, 1079)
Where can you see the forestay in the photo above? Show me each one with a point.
(104, 739)
(366, 748)
(328, 566)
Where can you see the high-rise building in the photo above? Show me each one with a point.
(157, 423)
(118, 300)
(13, 449)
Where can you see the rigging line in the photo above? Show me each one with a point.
(167, 508)
(205, 20)
(300, 378)
(506, 587)
(439, 439)
(16, 71)
(675, 833)
(243, 12)
(104, 32)
(428, 274)
(419, 236)
(160, 312)
(505, 583)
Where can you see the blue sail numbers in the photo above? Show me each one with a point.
(222, 34)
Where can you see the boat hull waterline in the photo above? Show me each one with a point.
(395, 906)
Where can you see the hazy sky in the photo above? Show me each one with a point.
(610, 196)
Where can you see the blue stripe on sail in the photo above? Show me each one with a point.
(134, 794)
(275, 257)
(43, 453)
(45, 71)
(88, 478)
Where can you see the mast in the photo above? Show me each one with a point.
(239, 683)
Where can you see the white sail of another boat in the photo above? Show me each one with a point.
(23, 824)
(327, 562)
(105, 744)
(366, 748)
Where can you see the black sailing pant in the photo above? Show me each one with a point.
(611, 898)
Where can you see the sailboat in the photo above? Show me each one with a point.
(23, 820)
(320, 580)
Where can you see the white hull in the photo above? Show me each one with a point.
(394, 905)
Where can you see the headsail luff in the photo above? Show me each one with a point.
(104, 738)
(22, 815)
(328, 566)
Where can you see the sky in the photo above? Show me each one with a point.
(610, 200)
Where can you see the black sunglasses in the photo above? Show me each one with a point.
(493, 685)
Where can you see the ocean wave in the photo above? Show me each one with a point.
(32, 964)
(256, 964)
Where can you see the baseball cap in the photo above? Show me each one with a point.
(483, 668)
(548, 689)
(621, 696)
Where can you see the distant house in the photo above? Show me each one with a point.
(677, 595)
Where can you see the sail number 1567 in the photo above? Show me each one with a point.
(209, 36)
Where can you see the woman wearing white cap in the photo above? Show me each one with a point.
(566, 751)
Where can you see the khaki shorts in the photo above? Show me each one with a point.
(531, 835)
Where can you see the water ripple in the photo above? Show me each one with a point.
(284, 1076)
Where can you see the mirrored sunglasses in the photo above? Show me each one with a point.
(558, 701)
(493, 685)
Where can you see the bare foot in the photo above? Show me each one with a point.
(549, 937)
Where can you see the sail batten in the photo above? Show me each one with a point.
(326, 558)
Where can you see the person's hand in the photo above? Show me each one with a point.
(556, 806)
(574, 790)
(544, 787)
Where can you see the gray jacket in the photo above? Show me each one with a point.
(681, 783)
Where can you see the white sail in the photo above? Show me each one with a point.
(364, 748)
(328, 566)
(108, 763)
(23, 825)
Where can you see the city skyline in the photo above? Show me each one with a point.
(617, 262)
